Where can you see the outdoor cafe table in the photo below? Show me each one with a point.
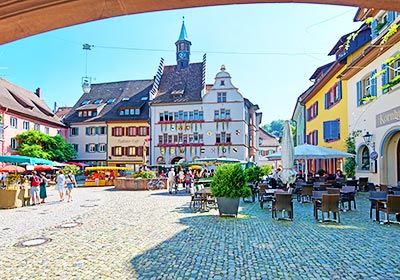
(204, 193)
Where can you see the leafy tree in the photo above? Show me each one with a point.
(266, 169)
(37, 144)
(75, 169)
(350, 163)
(253, 173)
(275, 128)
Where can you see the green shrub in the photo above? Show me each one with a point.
(253, 174)
(230, 181)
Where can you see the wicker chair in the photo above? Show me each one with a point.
(317, 197)
(333, 190)
(362, 183)
(375, 194)
(348, 197)
(392, 206)
(329, 204)
(306, 193)
(282, 203)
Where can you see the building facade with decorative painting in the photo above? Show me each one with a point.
(190, 120)
(373, 81)
(22, 110)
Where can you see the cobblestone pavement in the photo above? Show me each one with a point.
(154, 235)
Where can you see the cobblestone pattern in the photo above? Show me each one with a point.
(153, 235)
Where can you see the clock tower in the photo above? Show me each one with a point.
(182, 49)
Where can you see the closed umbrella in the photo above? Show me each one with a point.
(12, 169)
(287, 175)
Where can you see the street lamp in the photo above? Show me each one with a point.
(367, 138)
(86, 81)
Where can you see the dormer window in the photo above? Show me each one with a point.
(222, 83)
(125, 99)
(129, 112)
(111, 100)
(98, 101)
(85, 102)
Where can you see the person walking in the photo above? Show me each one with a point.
(35, 183)
(60, 184)
(71, 184)
(171, 179)
(43, 186)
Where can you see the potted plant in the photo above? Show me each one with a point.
(228, 186)
(253, 175)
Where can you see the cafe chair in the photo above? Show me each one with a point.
(195, 198)
(375, 195)
(306, 193)
(211, 201)
(317, 197)
(392, 206)
(262, 196)
(383, 188)
(282, 203)
(348, 197)
(329, 204)
(362, 183)
(333, 190)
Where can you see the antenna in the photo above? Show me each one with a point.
(86, 81)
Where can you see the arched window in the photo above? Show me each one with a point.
(365, 160)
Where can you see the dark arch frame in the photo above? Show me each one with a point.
(20, 19)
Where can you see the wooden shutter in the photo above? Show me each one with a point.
(147, 131)
(339, 88)
(391, 16)
(87, 147)
(335, 131)
(113, 131)
(113, 151)
(316, 109)
(87, 130)
(97, 129)
(385, 77)
(96, 147)
(359, 92)
(327, 100)
(373, 83)
(326, 131)
(374, 31)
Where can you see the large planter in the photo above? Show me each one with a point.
(132, 184)
(228, 206)
(10, 198)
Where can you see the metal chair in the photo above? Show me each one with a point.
(362, 183)
(282, 203)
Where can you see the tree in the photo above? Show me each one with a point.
(350, 163)
(37, 144)
(275, 128)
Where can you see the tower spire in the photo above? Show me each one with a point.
(183, 34)
(183, 48)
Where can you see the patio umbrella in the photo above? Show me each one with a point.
(44, 167)
(287, 175)
(12, 169)
(307, 152)
(214, 161)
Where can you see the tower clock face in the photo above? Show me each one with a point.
(182, 55)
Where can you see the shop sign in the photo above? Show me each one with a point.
(388, 117)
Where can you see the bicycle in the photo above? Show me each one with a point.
(155, 184)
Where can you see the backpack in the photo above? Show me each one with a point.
(35, 181)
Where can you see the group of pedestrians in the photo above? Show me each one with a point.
(65, 185)
(38, 187)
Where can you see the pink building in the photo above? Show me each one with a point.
(22, 110)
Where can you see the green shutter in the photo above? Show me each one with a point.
(359, 92)
(385, 78)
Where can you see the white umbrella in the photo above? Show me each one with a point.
(307, 152)
(287, 175)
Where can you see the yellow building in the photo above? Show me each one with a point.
(326, 105)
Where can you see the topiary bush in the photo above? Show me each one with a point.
(230, 181)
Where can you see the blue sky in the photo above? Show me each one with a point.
(270, 50)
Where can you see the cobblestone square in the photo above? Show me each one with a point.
(154, 235)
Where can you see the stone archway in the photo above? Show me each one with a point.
(20, 19)
(390, 171)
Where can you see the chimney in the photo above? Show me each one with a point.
(38, 92)
(55, 107)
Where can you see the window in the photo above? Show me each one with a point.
(117, 151)
(85, 102)
(201, 115)
(161, 117)
(111, 100)
(36, 127)
(331, 130)
(312, 111)
(91, 130)
(366, 89)
(137, 111)
(365, 160)
(130, 151)
(185, 116)
(98, 101)
(117, 131)
(222, 114)
(381, 22)
(131, 131)
(13, 122)
(102, 130)
(91, 148)
(13, 144)
(217, 138)
(46, 130)
(228, 114)
(222, 83)
(334, 95)
(143, 130)
(216, 115)
(25, 125)
(75, 146)
(58, 131)
(160, 139)
(312, 137)
(191, 116)
(391, 74)
(125, 99)
(102, 148)
(74, 131)
(221, 97)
